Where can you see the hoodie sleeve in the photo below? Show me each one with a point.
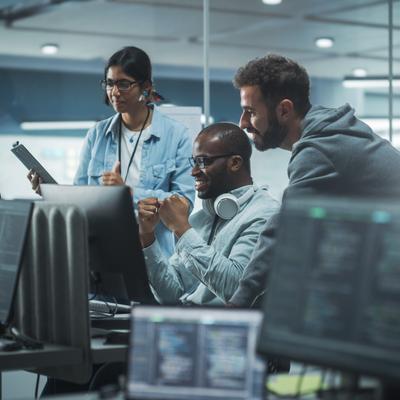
(310, 171)
(252, 284)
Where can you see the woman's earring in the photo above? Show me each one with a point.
(144, 95)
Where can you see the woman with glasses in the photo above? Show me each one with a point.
(138, 146)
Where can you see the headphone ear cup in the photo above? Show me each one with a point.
(226, 206)
(208, 207)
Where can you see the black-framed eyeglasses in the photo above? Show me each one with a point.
(123, 85)
(204, 161)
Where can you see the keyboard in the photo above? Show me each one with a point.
(108, 307)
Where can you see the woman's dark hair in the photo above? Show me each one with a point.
(134, 62)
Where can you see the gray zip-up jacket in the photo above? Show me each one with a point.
(209, 274)
(337, 154)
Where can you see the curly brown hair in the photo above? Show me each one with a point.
(278, 78)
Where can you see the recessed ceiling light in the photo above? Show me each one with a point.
(324, 42)
(370, 82)
(272, 2)
(359, 72)
(49, 48)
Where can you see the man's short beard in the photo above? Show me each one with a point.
(219, 184)
(273, 137)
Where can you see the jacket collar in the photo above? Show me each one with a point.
(156, 124)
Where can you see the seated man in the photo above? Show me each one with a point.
(215, 244)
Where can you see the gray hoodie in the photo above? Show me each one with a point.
(337, 154)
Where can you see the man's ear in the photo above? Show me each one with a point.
(284, 110)
(235, 163)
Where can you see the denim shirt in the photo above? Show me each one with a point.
(200, 273)
(164, 167)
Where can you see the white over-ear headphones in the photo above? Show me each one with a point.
(227, 205)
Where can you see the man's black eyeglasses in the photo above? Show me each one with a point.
(204, 161)
(123, 85)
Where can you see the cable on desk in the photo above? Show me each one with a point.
(266, 387)
(112, 309)
(26, 341)
(106, 379)
(320, 388)
(100, 315)
(332, 383)
(300, 380)
(322, 380)
(37, 386)
(94, 377)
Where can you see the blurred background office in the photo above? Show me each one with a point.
(52, 56)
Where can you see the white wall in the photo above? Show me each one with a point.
(20, 385)
(270, 168)
(59, 155)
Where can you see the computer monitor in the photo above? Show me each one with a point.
(116, 261)
(14, 222)
(333, 297)
(185, 353)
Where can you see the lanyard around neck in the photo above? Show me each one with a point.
(136, 144)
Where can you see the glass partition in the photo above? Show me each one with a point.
(61, 82)
(52, 57)
(334, 41)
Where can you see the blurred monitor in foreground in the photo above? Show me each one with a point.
(14, 223)
(334, 292)
(116, 261)
(185, 353)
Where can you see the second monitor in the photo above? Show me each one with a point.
(116, 260)
(334, 292)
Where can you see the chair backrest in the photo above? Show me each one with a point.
(52, 299)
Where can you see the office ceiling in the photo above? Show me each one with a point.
(89, 31)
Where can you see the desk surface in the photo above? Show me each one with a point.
(50, 355)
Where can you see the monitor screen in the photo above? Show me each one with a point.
(333, 296)
(116, 260)
(14, 222)
(185, 353)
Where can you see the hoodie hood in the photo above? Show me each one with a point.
(339, 154)
(325, 121)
